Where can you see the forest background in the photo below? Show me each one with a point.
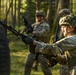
(11, 11)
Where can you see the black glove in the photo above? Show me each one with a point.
(25, 20)
(28, 26)
(27, 40)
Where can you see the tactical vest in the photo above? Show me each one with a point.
(71, 58)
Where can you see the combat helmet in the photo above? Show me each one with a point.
(40, 13)
(68, 20)
(64, 12)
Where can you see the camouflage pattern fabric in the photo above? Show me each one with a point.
(59, 35)
(40, 13)
(41, 33)
(69, 20)
(64, 12)
(67, 45)
(39, 29)
(64, 70)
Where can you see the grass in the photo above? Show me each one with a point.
(18, 53)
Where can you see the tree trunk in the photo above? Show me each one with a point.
(0, 9)
(37, 5)
(65, 3)
(19, 2)
(14, 16)
(50, 13)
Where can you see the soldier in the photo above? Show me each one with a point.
(67, 45)
(62, 12)
(41, 31)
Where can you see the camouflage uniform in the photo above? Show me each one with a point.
(62, 12)
(42, 31)
(66, 45)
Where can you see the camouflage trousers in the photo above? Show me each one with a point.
(64, 70)
(42, 60)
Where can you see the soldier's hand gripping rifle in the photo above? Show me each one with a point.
(27, 24)
(25, 38)
(32, 47)
(29, 30)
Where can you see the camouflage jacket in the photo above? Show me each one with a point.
(41, 31)
(66, 45)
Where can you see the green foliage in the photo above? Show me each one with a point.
(30, 11)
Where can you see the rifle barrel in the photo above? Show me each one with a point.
(12, 29)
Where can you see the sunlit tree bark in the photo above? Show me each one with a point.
(0, 8)
(19, 3)
(37, 5)
(14, 16)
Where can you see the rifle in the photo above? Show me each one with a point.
(30, 30)
(55, 38)
(53, 60)
(32, 49)
(12, 29)
(28, 25)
